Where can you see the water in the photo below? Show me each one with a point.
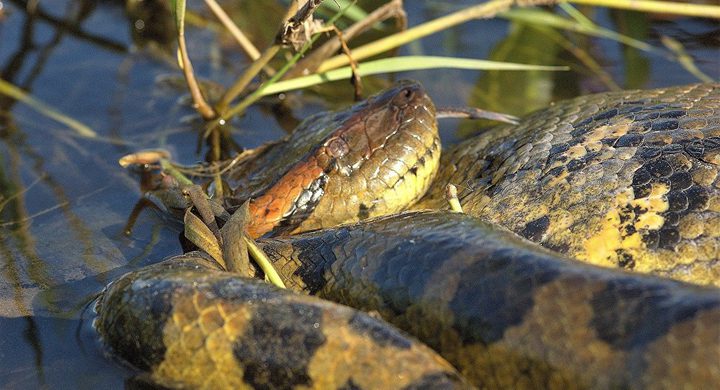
(64, 200)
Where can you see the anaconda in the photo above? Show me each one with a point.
(508, 336)
(621, 179)
(506, 312)
(190, 324)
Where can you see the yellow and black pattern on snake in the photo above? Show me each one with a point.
(626, 179)
(507, 312)
(191, 325)
(598, 164)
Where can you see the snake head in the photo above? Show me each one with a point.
(374, 158)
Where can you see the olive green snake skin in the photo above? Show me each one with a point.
(626, 179)
(618, 179)
(190, 324)
(507, 313)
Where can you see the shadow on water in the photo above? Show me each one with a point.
(110, 65)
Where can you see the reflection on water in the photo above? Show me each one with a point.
(64, 200)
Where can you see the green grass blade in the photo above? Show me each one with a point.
(401, 64)
(20, 95)
(542, 17)
(263, 262)
(484, 10)
(178, 7)
(576, 14)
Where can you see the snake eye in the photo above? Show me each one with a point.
(337, 147)
(404, 96)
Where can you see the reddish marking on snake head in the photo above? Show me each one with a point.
(267, 210)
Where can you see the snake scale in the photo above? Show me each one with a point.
(625, 179)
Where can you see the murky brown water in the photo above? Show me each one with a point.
(64, 200)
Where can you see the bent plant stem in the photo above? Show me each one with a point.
(18, 94)
(139, 207)
(216, 150)
(491, 8)
(168, 167)
(253, 97)
(582, 55)
(442, 112)
(258, 93)
(665, 7)
(685, 60)
(399, 64)
(355, 79)
(264, 263)
(199, 103)
(291, 22)
(312, 61)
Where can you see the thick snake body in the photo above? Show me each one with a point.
(509, 313)
(621, 179)
(190, 324)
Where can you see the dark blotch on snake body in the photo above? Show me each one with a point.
(487, 323)
(268, 363)
(534, 230)
(629, 140)
(665, 125)
(636, 314)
